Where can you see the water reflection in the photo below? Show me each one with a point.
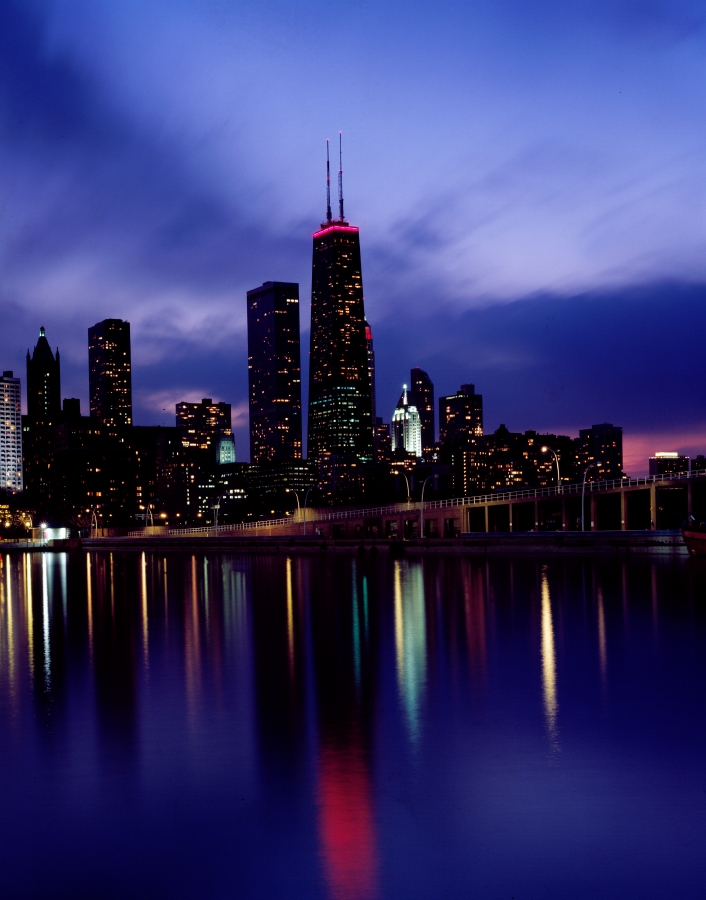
(258, 714)
(549, 664)
(410, 641)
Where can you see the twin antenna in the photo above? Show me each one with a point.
(340, 181)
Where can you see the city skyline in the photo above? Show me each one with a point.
(536, 211)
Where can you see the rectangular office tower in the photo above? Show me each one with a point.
(274, 373)
(207, 426)
(10, 433)
(461, 415)
(340, 414)
(602, 446)
(109, 372)
(422, 396)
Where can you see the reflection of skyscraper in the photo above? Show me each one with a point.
(109, 372)
(410, 642)
(274, 373)
(344, 666)
(422, 396)
(43, 384)
(340, 420)
(10, 433)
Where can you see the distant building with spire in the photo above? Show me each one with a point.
(340, 428)
(406, 426)
(43, 384)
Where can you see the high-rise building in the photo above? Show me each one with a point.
(371, 370)
(109, 372)
(274, 373)
(669, 463)
(10, 433)
(340, 417)
(206, 426)
(422, 396)
(43, 384)
(406, 427)
(603, 446)
(461, 415)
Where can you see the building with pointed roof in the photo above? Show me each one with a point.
(406, 426)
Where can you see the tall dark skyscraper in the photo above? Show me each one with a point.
(274, 373)
(422, 396)
(340, 415)
(602, 445)
(461, 415)
(109, 372)
(43, 384)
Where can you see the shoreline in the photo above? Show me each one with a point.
(602, 542)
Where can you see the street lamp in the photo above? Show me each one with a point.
(556, 460)
(409, 493)
(593, 465)
(296, 494)
(216, 509)
(306, 497)
(421, 506)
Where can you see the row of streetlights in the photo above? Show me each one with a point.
(593, 465)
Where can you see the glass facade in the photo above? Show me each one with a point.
(109, 372)
(274, 372)
(340, 412)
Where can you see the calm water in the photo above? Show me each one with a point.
(351, 728)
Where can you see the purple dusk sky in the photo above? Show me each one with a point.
(529, 180)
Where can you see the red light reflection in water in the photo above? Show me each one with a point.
(346, 823)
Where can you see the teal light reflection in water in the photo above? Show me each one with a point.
(351, 728)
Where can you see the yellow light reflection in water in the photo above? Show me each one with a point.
(602, 649)
(145, 624)
(549, 665)
(192, 642)
(30, 617)
(410, 641)
(89, 599)
(290, 616)
(45, 622)
(11, 652)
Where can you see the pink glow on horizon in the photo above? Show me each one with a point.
(637, 448)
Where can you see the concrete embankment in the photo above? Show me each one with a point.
(615, 542)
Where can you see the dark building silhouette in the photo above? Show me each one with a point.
(669, 463)
(340, 417)
(422, 396)
(43, 384)
(274, 373)
(109, 372)
(207, 426)
(371, 370)
(602, 445)
(461, 415)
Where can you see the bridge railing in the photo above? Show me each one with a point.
(310, 516)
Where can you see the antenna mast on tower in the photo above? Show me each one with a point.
(340, 178)
(328, 185)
